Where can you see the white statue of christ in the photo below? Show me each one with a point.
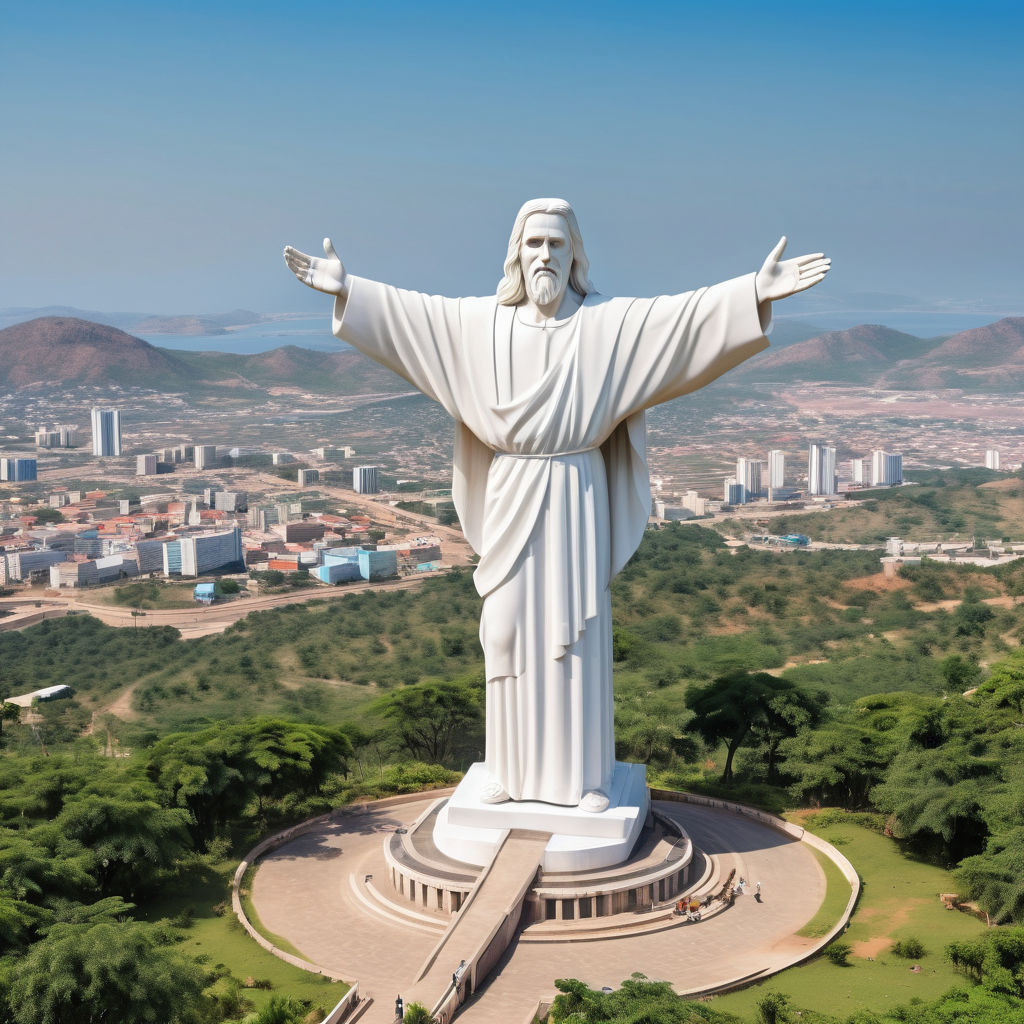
(547, 382)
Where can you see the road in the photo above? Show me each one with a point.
(201, 620)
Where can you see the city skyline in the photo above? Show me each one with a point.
(161, 159)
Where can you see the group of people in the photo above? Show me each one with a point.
(741, 887)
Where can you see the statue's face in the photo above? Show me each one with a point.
(546, 257)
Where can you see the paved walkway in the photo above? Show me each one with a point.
(315, 893)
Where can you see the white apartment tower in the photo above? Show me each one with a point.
(749, 475)
(364, 480)
(857, 474)
(991, 458)
(145, 465)
(886, 468)
(776, 468)
(821, 469)
(205, 456)
(106, 432)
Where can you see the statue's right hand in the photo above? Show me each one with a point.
(325, 275)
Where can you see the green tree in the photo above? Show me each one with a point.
(279, 1010)
(836, 763)
(8, 713)
(417, 1013)
(98, 974)
(934, 797)
(130, 841)
(430, 716)
(995, 878)
(636, 1001)
(216, 773)
(742, 704)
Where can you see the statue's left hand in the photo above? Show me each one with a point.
(779, 278)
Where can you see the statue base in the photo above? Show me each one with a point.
(471, 831)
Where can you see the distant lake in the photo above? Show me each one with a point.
(307, 332)
(314, 332)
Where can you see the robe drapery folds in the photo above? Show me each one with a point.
(551, 486)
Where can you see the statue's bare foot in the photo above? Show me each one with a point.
(595, 801)
(493, 792)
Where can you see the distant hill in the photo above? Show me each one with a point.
(348, 372)
(140, 323)
(989, 358)
(58, 348)
(67, 349)
(858, 354)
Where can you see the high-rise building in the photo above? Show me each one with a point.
(821, 469)
(733, 492)
(992, 458)
(308, 477)
(750, 475)
(695, 503)
(145, 465)
(15, 470)
(205, 456)
(334, 454)
(776, 468)
(230, 501)
(857, 474)
(364, 480)
(106, 432)
(192, 556)
(886, 468)
(62, 436)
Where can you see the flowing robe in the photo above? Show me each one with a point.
(551, 486)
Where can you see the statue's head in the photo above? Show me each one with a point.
(546, 214)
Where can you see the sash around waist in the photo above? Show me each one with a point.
(546, 455)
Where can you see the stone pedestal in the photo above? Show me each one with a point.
(470, 831)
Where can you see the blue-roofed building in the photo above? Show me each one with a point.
(338, 572)
(205, 592)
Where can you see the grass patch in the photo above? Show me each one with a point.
(245, 894)
(837, 895)
(899, 899)
(217, 937)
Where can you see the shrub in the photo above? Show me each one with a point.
(839, 954)
(909, 948)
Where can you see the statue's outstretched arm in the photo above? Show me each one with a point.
(325, 275)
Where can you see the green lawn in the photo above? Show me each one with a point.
(221, 939)
(837, 895)
(899, 899)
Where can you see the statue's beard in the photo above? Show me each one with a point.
(543, 287)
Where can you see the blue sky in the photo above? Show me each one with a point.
(158, 158)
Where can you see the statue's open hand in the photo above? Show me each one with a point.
(325, 275)
(777, 279)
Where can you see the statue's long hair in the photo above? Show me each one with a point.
(512, 288)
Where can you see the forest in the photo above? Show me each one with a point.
(788, 680)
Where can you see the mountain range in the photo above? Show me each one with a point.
(72, 350)
(989, 358)
(57, 349)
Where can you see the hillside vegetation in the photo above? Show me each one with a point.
(952, 505)
(782, 678)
